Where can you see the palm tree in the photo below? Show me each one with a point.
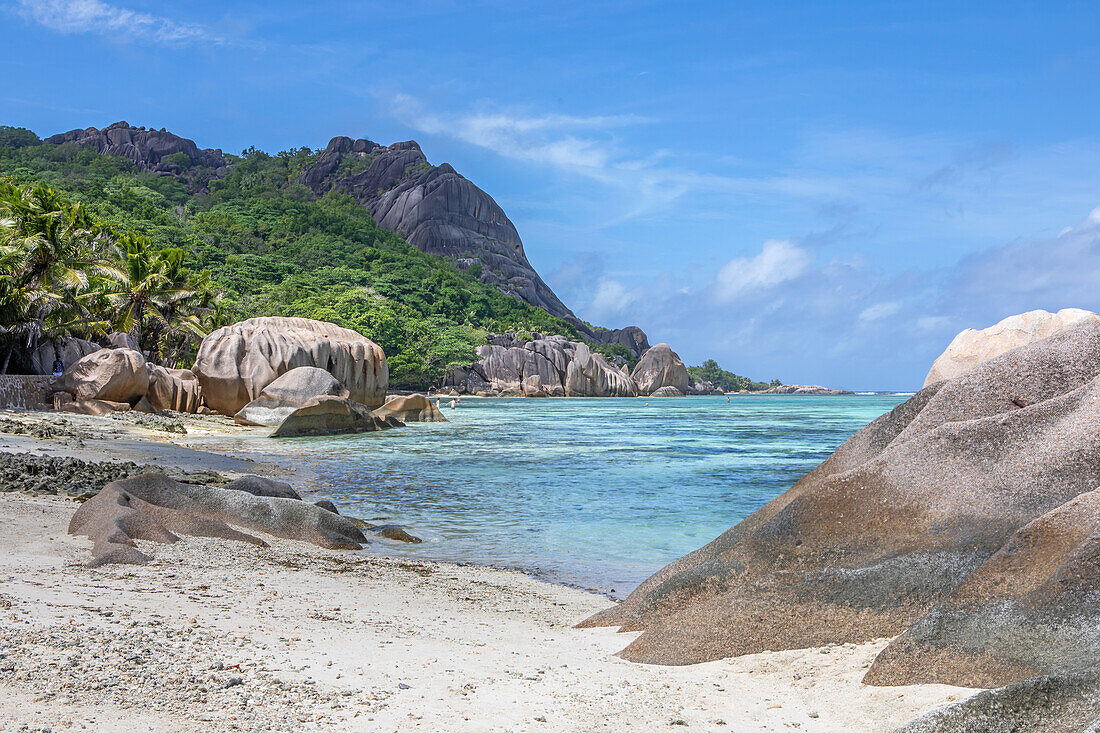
(49, 252)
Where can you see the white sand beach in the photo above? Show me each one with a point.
(215, 635)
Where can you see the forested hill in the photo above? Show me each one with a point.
(278, 247)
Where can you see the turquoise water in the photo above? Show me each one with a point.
(591, 492)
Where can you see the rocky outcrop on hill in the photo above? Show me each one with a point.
(156, 508)
(148, 149)
(965, 518)
(436, 209)
(287, 393)
(972, 347)
(237, 362)
(660, 367)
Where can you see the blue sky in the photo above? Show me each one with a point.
(820, 192)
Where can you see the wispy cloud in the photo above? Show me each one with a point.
(94, 16)
(578, 145)
(778, 262)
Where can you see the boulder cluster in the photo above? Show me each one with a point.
(536, 365)
(965, 522)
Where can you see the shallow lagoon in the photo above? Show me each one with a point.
(592, 492)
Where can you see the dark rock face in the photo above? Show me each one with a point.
(148, 149)
(966, 516)
(436, 209)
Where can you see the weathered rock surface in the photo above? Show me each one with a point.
(1047, 704)
(287, 393)
(148, 149)
(437, 210)
(411, 408)
(632, 337)
(955, 508)
(114, 375)
(328, 415)
(1025, 612)
(95, 408)
(70, 350)
(262, 486)
(120, 340)
(972, 347)
(668, 391)
(659, 367)
(536, 365)
(237, 362)
(589, 375)
(156, 508)
(173, 389)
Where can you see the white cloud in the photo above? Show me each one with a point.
(93, 16)
(778, 261)
(879, 311)
(611, 297)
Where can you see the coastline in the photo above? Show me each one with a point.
(365, 642)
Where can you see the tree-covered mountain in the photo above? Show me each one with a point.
(367, 236)
(275, 246)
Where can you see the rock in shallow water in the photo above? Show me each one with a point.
(327, 415)
(413, 408)
(287, 393)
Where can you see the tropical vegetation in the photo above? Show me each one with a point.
(709, 371)
(268, 246)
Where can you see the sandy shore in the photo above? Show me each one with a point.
(222, 636)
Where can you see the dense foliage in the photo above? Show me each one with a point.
(728, 381)
(63, 272)
(274, 248)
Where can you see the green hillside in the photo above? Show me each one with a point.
(267, 246)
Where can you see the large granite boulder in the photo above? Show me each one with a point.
(154, 507)
(286, 394)
(411, 408)
(660, 367)
(436, 209)
(589, 375)
(667, 391)
(963, 515)
(114, 375)
(95, 408)
(330, 415)
(173, 389)
(69, 350)
(506, 369)
(972, 347)
(236, 362)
